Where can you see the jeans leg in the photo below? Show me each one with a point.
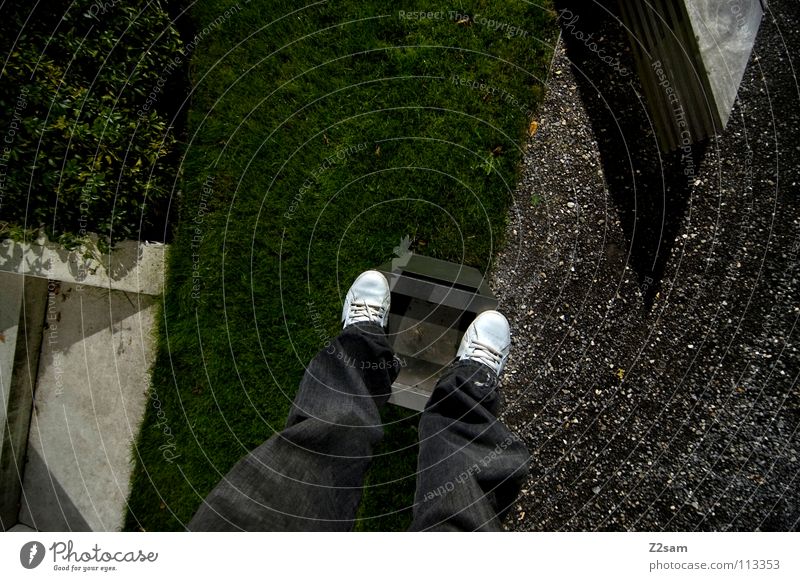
(471, 467)
(309, 476)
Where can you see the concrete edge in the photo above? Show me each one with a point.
(20, 400)
(132, 266)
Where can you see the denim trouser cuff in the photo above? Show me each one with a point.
(309, 476)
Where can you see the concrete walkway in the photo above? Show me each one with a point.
(81, 334)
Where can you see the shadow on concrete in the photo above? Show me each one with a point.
(79, 314)
(39, 259)
(650, 189)
(52, 509)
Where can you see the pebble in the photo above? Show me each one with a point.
(676, 421)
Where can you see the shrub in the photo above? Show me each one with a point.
(84, 100)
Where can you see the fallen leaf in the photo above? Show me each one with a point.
(532, 128)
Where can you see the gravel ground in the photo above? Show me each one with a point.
(654, 372)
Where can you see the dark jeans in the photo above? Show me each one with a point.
(309, 476)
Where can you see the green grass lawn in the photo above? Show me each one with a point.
(319, 137)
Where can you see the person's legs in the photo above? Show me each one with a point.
(309, 476)
(470, 467)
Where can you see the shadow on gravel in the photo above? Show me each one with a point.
(650, 189)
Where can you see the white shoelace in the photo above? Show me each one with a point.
(485, 354)
(361, 312)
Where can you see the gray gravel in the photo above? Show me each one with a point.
(671, 405)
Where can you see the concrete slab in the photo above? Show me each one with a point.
(21, 321)
(726, 34)
(21, 529)
(96, 355)
(134, 266)
(691, 57)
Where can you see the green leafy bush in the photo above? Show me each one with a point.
(85, 99)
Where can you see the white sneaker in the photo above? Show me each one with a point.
(487, 341)
(367, 300)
